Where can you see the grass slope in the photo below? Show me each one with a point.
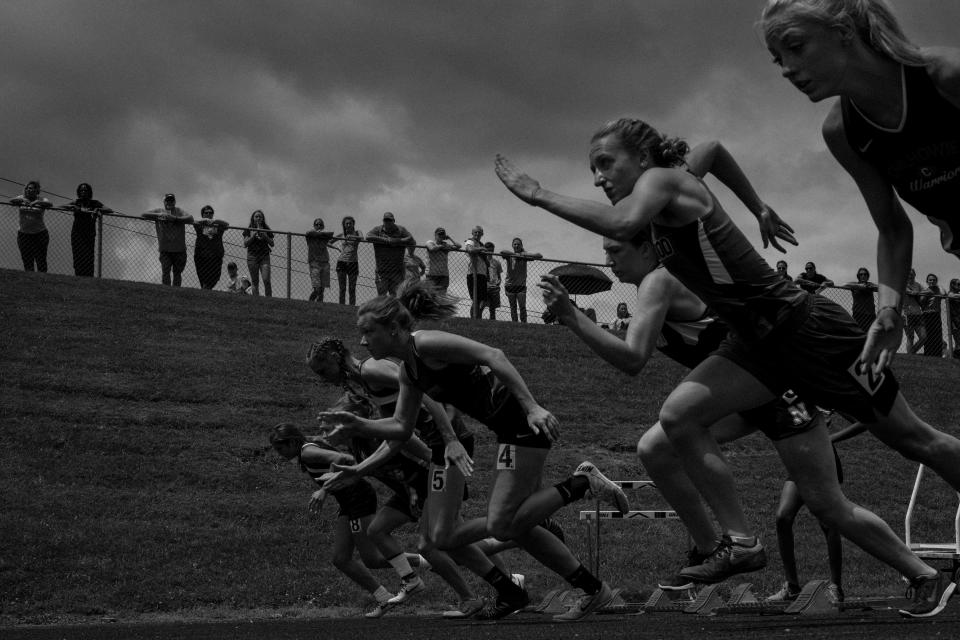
(136, 478)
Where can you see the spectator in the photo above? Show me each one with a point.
(318, 259)
(477, 271)
(494, 271)
(348, 268)
(782, 270)
(258, 239)
(864, 308)
(515, 284)
(83, 235)
(208, 249)
(413, 265)
(235, 282)
(953, 302)
(33, 237)
(389, 240)
(931, 300)
(623, 318)
(812, 281)
(913, 328)
(438, 254)
(171, 238)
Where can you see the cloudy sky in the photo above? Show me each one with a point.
(327, 108)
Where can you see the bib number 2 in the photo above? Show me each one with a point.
(507, 456)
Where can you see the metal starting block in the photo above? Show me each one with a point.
(662, 601)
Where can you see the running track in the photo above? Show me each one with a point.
(873, 625)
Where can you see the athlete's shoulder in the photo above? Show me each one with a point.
(833, 126)
(943, 69)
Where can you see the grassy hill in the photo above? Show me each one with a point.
(136, 478)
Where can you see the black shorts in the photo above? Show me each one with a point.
(509, 421)
(514, 289)
(409, 500)
(818, 360)
(437, 449)
(359, 500)
(349, 268)
(782, 418)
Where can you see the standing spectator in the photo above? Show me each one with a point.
(913, 328)
(318, 259)
(931, 300)
(235, 282)
(782, 270)
(515, 285)
(811, 281)
(171, 238)
(258, 239)
(33, 237)
(953, 302)
(413, 265)
(438, 254)
(864, 308)
(347, 265)
(623, 318)
(477, 271)
(494, 271)
(83, 235)
(389, 240)
(208, 248)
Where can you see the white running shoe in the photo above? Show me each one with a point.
(407, 589)
(603, 487)
(466, 609)
(518, 579)
(378, 610)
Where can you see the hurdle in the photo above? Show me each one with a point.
(597, 515)
(932, 550)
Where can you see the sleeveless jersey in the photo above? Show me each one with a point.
(353, 499)
(921, 156)
(689, 342)
(714, 260)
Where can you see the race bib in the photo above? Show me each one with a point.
(507, 456)
(355, 526)
(438, 479)
(866, 378)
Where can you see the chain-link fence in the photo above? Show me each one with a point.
(126, 248)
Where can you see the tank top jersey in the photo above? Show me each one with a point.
(921, 156)
(714, 260)
(345, 497)
(689, 342)
(398, 474)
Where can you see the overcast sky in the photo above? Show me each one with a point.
(327, 108)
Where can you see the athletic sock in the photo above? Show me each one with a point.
(402, 566)
(573, 488)
(501, 582)
(748, 541)
(583, 579)
(381, 594)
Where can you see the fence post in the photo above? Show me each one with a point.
(100, 246)
(289, 264)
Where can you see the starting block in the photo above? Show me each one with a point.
(662, 601)
(708, 599)
(813, 600)
(560, 600)
(932, 550)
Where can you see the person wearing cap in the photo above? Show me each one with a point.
(208, 248)
(171, 238)
(389, 243)
(477, 271)
(438, 250)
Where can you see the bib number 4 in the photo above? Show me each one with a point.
(507, 456)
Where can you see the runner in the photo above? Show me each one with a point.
(895, 129)
(480, 381)
(780, 338)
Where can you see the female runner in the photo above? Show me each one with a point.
(895, 129)
(780, 338)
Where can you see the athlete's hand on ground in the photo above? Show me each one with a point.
(542, 421)
(522, 185)
(772, 227)
(316, 501)
(457, 454)
(883, 340)
(555, 295)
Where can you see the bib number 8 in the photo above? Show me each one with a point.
(355, 525)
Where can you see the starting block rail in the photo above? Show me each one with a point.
(932, 550)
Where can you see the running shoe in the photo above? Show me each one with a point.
(518, 579)
(678, 582)
(502, 608)
(728, 559)
(407, 589)
(587, 605)
(378, 610)
(835, 593)
(788, 593)
(603, 487)
(553, 527)
(930, 595)
(466, 609)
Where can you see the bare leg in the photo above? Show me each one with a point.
(342, 557)
(790, 505)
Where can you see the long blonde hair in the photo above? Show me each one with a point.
(872, 20)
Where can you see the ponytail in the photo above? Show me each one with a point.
(415, 300)
(641, 139)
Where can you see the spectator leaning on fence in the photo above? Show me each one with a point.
(32, 237)
(208, 249)
(318, 259)
(931, 299)
(83, 235)
(913, 328)
(953, 306)
(258, 239)
(477, 271)
(348, 267)
(515, 285)
(438, 254)
(171, 239)
(494, 271)
(811, 281)
(389, 242)
(864, 309)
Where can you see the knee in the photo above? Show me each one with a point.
(442, 535)
(654, 449)
(677, 421)
(425, 546)
(501, 528)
